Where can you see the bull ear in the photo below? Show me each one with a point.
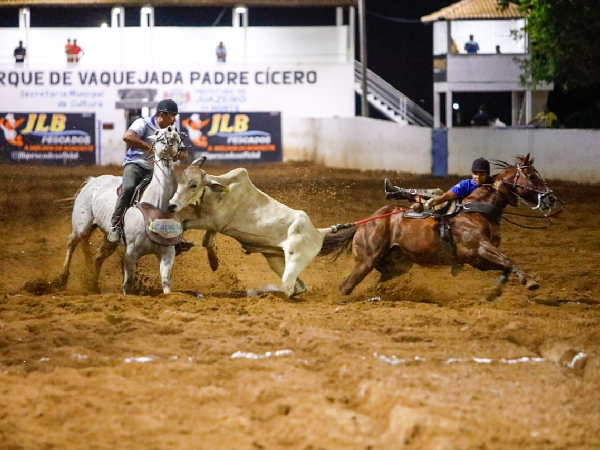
(198, 162)
(217, 187)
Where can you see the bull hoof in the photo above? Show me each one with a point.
(532, 285)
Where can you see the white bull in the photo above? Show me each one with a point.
(286, 237)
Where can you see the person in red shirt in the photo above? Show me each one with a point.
(77, 51)
(69, 51)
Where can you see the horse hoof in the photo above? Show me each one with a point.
(455, 270)
(493, 294)
(532, 285)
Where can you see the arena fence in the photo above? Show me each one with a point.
(369, 144)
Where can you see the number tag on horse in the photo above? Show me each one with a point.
(161, 228)
(167, 228)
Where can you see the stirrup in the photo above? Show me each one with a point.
(115, 235)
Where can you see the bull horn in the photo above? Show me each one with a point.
(198, 162)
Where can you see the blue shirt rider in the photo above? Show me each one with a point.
(481, 175)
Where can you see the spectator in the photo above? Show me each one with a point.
(20, 53)
(544, 119)
(77, 51)
(481, 118)
(221, 53)
(498, 52)
(453, 47)
(69, 51)
(471, 46)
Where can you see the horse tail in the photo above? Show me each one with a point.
(340, 242)
(69, 202)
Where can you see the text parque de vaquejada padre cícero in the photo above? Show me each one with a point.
(133, 78)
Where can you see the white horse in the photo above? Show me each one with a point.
(94, 207)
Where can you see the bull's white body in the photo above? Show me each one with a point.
(286, 237)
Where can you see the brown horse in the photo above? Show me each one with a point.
(392, 244)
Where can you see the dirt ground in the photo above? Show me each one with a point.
(419, 362)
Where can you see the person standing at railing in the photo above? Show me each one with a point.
(471, 47)
(77, 51)
(20, 53)
(69, 51)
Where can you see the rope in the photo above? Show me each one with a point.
(343, 226)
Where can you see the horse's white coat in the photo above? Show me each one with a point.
(286, 237)
(95, 203)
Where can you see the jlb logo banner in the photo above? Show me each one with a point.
(49, 138)
(234, 137)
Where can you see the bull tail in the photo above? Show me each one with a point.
(338, 243)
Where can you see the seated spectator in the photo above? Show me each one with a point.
(544, 119)
(481, 118)
(471, 46)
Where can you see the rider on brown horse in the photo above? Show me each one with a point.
(481, 176)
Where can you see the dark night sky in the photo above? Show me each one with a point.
(401, 53)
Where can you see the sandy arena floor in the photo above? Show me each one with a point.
(420, 362)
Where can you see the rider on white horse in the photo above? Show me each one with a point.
(136, 166)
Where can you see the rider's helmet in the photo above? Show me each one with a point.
(168, 106)
(481, 165)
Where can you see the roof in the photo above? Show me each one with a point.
(475, 9)
(158, 3)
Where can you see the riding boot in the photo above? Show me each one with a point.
(398, 193)
(115, 235)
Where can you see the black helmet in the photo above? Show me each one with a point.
(168, 106)
(481, 165)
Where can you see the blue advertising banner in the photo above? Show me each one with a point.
(233, 137)
(48, 138)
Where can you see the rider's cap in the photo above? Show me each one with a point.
(480, 165)
(168, 106)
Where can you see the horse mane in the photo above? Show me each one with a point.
(520, 159)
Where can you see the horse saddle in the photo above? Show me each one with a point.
(139, 189)
(161, 228)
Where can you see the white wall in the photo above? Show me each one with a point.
(488, 34)
(369, 144)
(570, 155)
(177, 45)
(358, 143)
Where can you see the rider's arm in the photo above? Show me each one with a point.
(133, 140)
(446, 196)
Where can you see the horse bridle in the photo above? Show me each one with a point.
(180, 148)
(542, 194)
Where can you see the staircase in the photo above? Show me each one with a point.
(389, 100)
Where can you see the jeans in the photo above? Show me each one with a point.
(132, 175)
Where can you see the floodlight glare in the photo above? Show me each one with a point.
(455, 106)
(240, 9)
(117, 10)
(147, 10)
(103, 25)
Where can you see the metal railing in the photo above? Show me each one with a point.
(394, 100)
